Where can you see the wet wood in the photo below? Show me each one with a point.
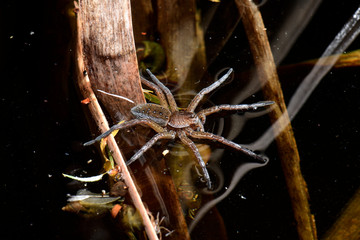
(183, 40)
(347, 226)
(83, 60)
(287, 149)
(106, 60)
(109, 54)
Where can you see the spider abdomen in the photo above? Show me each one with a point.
(154, 112)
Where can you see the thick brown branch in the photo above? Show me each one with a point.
(109, 54)
(106, 60)
(87, 92)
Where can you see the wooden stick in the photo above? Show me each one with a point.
(101, 122)
(288, 152)
(110, 54)
(347, 226)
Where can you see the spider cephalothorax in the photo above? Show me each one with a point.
(169, 122)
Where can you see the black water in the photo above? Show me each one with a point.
(44, 127)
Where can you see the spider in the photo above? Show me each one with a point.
(169, 122)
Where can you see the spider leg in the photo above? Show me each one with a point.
(211, 136)
(191, 145)
(241, 107)
(157, 90)
(150, 143)
(127, 124)
(193, 104)
(169, 96)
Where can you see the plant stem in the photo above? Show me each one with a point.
(347, 226)
(288, 152)
(83, 63)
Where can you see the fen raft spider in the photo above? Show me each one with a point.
(169, 122)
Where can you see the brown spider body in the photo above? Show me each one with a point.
(170, 123)
(183, 119)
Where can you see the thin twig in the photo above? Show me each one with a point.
(286, 143)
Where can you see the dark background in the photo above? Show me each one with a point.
(44, 127)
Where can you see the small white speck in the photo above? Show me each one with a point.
(32, 33)
(242, 196)
(165, 152)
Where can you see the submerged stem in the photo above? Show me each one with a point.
(347, 226)
(287, 149)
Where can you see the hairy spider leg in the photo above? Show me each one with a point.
(150, 143)
(195, 101)
(127, 124)
(210, 136)
(169, 96)
(241, 107)
(200, 125)
(191, 145)
(157, 90)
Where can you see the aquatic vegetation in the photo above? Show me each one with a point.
(90, 204)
